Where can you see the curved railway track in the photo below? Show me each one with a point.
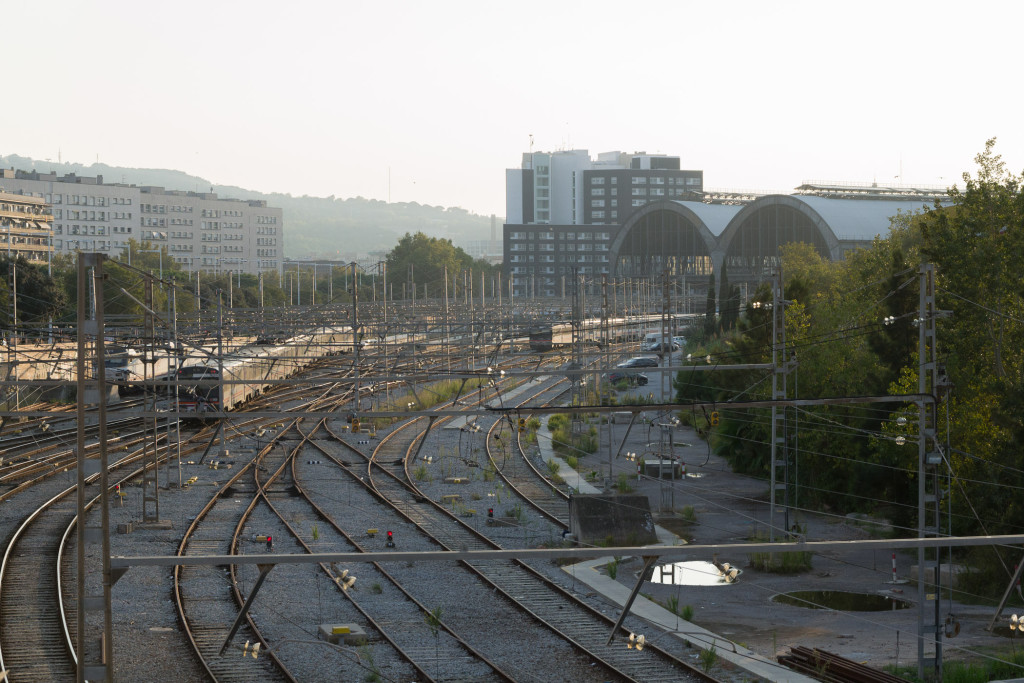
(562, 612)
(397, 618)
(277, 491)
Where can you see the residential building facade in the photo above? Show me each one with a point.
(201, 231)
(25, 227)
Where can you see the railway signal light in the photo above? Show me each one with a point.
(714, 418)
(522, 424)
(391, 541)
(270, 542)
(490, 512)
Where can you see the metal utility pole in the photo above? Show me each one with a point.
(666, 332)
(151, 438)
(447, 324)
(13, 348)
(605, 328)
(220, 371)
(781, 365)
(95, 650)
(932, 466)
(577, 349)
(355, 332)
(177, 363)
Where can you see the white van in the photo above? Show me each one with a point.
(653, 340)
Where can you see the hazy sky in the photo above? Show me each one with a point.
(326, 97)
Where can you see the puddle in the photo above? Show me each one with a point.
(842, 601)
(695, 573)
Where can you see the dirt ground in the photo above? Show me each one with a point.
(731, 508)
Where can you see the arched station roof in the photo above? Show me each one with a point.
(857, 219)
(708, 237)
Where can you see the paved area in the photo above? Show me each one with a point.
(743, 620)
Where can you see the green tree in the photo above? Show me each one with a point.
(40, 296)
(425, 260)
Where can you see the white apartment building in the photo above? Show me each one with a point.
(205, 233)
(200, 230)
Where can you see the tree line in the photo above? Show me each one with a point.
(852, 326)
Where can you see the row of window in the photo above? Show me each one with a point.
(561, 235)
(566, 258)
(582, 270)
(75, 215)
(87, 200)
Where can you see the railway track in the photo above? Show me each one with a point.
(561, 612)
(395, 620)
(520, 475)
(451, 646)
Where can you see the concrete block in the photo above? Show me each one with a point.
(349, 634)
(625, 519)
(450, 498)
(668, 469)
(456, 480)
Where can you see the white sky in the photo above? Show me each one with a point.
(325, 97)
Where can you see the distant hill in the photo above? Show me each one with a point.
(315, 226)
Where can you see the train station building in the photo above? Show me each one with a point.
(682, 231)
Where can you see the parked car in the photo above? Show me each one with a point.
(658, 347)
(638, 378)
(679, 341)
(639, 362)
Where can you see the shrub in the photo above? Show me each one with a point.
(672, 604)
(557, 422)
(708, 658)
(613, 568)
